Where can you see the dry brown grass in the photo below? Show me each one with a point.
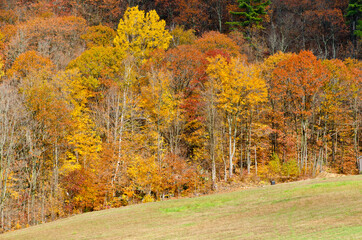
(311, 209)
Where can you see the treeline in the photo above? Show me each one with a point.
(93, 118)
(329, 28)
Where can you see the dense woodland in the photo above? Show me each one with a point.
(105, 103)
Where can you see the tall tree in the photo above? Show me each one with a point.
(300, 79)
(12, 115)
(239, 89)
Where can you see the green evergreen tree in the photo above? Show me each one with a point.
(354, 13)
(358, 31)
(251, 12)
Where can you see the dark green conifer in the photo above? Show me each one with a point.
(354, 13)
(251, 12)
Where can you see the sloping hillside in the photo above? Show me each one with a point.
(311, 209)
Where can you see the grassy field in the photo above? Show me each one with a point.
(311, 209)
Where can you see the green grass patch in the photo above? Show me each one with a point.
(334, 184)
(197, 206)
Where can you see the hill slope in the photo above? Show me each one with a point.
(311, 209)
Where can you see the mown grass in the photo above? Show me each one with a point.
(311, 209)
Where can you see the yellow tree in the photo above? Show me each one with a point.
(106, 68)
(84, 140)
(355, 69)
(254, 93)
(334, 112)
(162, 106)
(139, 33)
(238, 88)
(225, 77)
(341, 100)
(80, 170)
(162, 110)
(143, 175)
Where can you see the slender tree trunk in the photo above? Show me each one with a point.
(222, 145)
(211, 113)
(2, 218)
(212, 150)
(256, 162)
(120, 138)
(241, 148)
(356, 123)
(42, 203)
(249, 143)
(232, 143)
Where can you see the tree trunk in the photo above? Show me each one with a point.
(241, 148)
(249, 143)
(232, 142)
(256, 162)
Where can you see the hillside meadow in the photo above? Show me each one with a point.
(325, 208)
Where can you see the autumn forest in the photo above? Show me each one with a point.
(106, 103)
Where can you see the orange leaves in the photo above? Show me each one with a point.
(61, 30)
(173, 176)
(355, 68)
(215, 40)
(187, 65)
(30, 62)
(313, 105)
(83, 191)
(177, 175)
(1, 68)
(52, 37)
(134, 120)
(299, 78)
(99, 36)
(7, 17)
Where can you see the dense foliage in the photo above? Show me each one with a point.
(106, 103)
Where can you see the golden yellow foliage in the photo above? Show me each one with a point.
(180, 36)
(99, 36)
(83, 139)
(139, 33)
(237, 84)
